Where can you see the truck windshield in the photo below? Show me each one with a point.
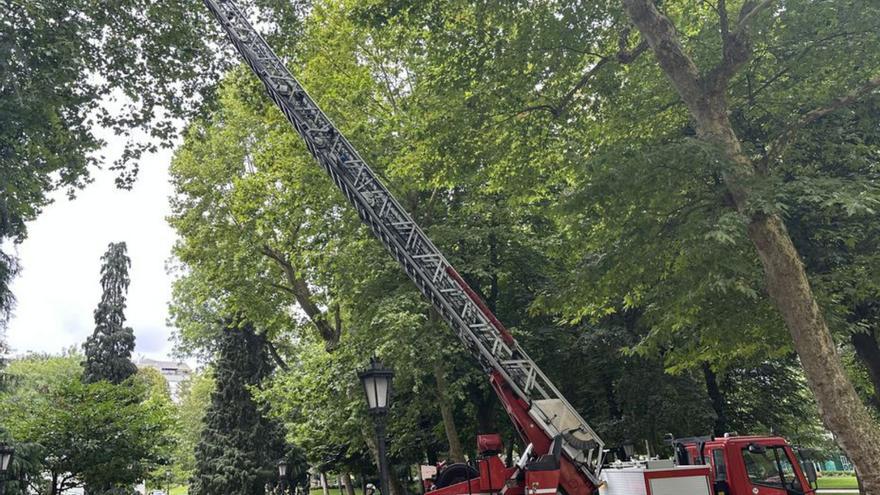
(771, 467)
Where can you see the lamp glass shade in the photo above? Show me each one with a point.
(5, 457)
(377, 386)
(282, 469)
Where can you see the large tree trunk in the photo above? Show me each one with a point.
(717, 399)
(785, 277)
(456, 453)
(349, 483)
(865, 345)
(485, 401)
(842, 411)
(325, 489)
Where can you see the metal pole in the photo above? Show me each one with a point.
(384, 483)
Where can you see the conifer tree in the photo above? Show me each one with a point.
(108, 350)
(239, 446)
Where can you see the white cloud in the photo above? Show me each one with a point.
(59, 288)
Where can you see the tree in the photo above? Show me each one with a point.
(100, 435)
(239, 446)
(508, 180)
(705, 93)
(656, 214)
(70, 69)
(194, 398)
(108, 350)
(262, 238)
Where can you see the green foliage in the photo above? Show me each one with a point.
(578, 203)
(108, 350)
(72, 433)
(194, 398)
(239, 447)
(72, 68)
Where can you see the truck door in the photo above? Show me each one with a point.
(719, 470)
(770, 471)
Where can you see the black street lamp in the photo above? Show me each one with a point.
(377, 385)
(167, 482)
(282, 475)
(6, 453)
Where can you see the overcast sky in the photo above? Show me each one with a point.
(58, 287)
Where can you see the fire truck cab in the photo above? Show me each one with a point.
(749, 465)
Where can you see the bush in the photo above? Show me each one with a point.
(836, 473)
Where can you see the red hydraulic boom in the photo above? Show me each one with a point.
(543, 417)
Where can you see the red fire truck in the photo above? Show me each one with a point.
(731, 465)
(564, 454)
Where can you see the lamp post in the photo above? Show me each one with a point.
(377, 385)
(6, 453)
(167, 482)
(282, 475)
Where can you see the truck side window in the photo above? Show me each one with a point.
(762, 468)
(771, 467)
(719, 464)
(788, 474)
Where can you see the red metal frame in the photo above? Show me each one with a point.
(570, 478)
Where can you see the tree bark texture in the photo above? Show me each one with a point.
(717, 399)
(456, 453)
(485, 402)
(324, 488)
(349, 483)
(785, 277)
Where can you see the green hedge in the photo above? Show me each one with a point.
(832, 474)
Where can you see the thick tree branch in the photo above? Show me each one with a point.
(623, 57)
(748, 12)
(660, 33)
(557, 111)
(304, 297)
(281, 287)
(723, 20)
(776, 147)
(277, 357)
(736, 48)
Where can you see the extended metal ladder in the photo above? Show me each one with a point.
(480, 332)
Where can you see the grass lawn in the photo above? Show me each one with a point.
(334, 491)
(175, 490)
(838, 482)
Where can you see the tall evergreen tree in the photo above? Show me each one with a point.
(108, 350)
(239, 445)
